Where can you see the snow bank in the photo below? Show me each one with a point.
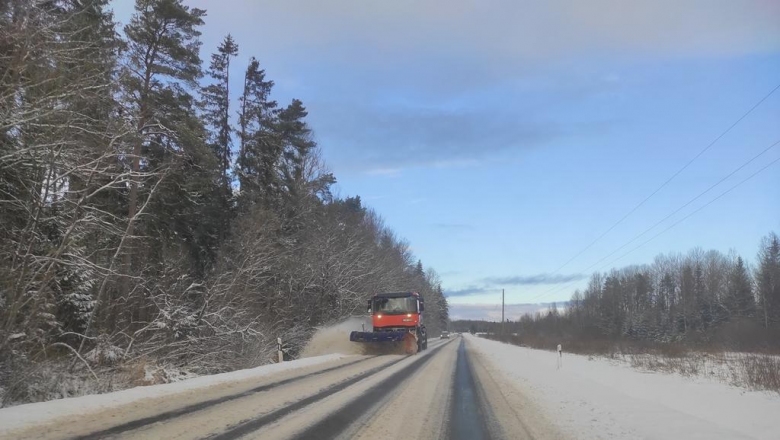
(21, 416)
(602, 399)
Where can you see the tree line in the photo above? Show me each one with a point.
(145, 214)
(700, 299)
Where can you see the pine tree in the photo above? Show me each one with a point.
(665, 303)
(703, 300)
(163, 62)
(257, 136)
(94, 52)
(185, 223)
(642, 307)
(768, 280)
(296, 135)
(740, 293)
(216, 99)
(301, 176)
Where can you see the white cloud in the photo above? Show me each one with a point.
(504, 30)
(392, 84)
(391, 172)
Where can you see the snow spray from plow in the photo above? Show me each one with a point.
(336, 339)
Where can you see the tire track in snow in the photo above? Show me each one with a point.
(467, 419)
(140, 423)
(508, 414)
(416, 409)
(336, 423)
(259, 422)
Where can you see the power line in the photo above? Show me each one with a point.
(663, 185)
(688, 203)
(677, 222)
(697, 210)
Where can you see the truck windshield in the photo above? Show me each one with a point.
(395, 306)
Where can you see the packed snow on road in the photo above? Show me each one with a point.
(515, 392)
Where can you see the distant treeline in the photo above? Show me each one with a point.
(701, 299)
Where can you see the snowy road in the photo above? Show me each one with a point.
(463, 388)
(444, 392)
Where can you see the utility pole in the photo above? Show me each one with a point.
(502, 311)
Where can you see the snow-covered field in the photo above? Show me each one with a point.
(21, 416)
(602, 399)
(753, 371)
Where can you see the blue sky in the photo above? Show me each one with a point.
(501, 138)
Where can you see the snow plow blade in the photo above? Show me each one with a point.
(377, 336)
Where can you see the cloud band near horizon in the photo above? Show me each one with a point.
(493, 284)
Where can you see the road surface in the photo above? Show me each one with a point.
(446, 392)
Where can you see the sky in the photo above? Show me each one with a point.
(506, 140)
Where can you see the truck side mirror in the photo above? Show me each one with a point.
(422, 306)
(369, 307)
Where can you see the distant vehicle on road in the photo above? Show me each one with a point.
(445, 335)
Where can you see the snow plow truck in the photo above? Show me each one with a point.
(397, 319)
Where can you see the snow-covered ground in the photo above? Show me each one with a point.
(21, 416)
(753, 371)
(601, 399)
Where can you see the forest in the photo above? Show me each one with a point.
(157, 218)
(699, 300)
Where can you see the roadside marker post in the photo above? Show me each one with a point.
(279, 351)
(560, 357)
